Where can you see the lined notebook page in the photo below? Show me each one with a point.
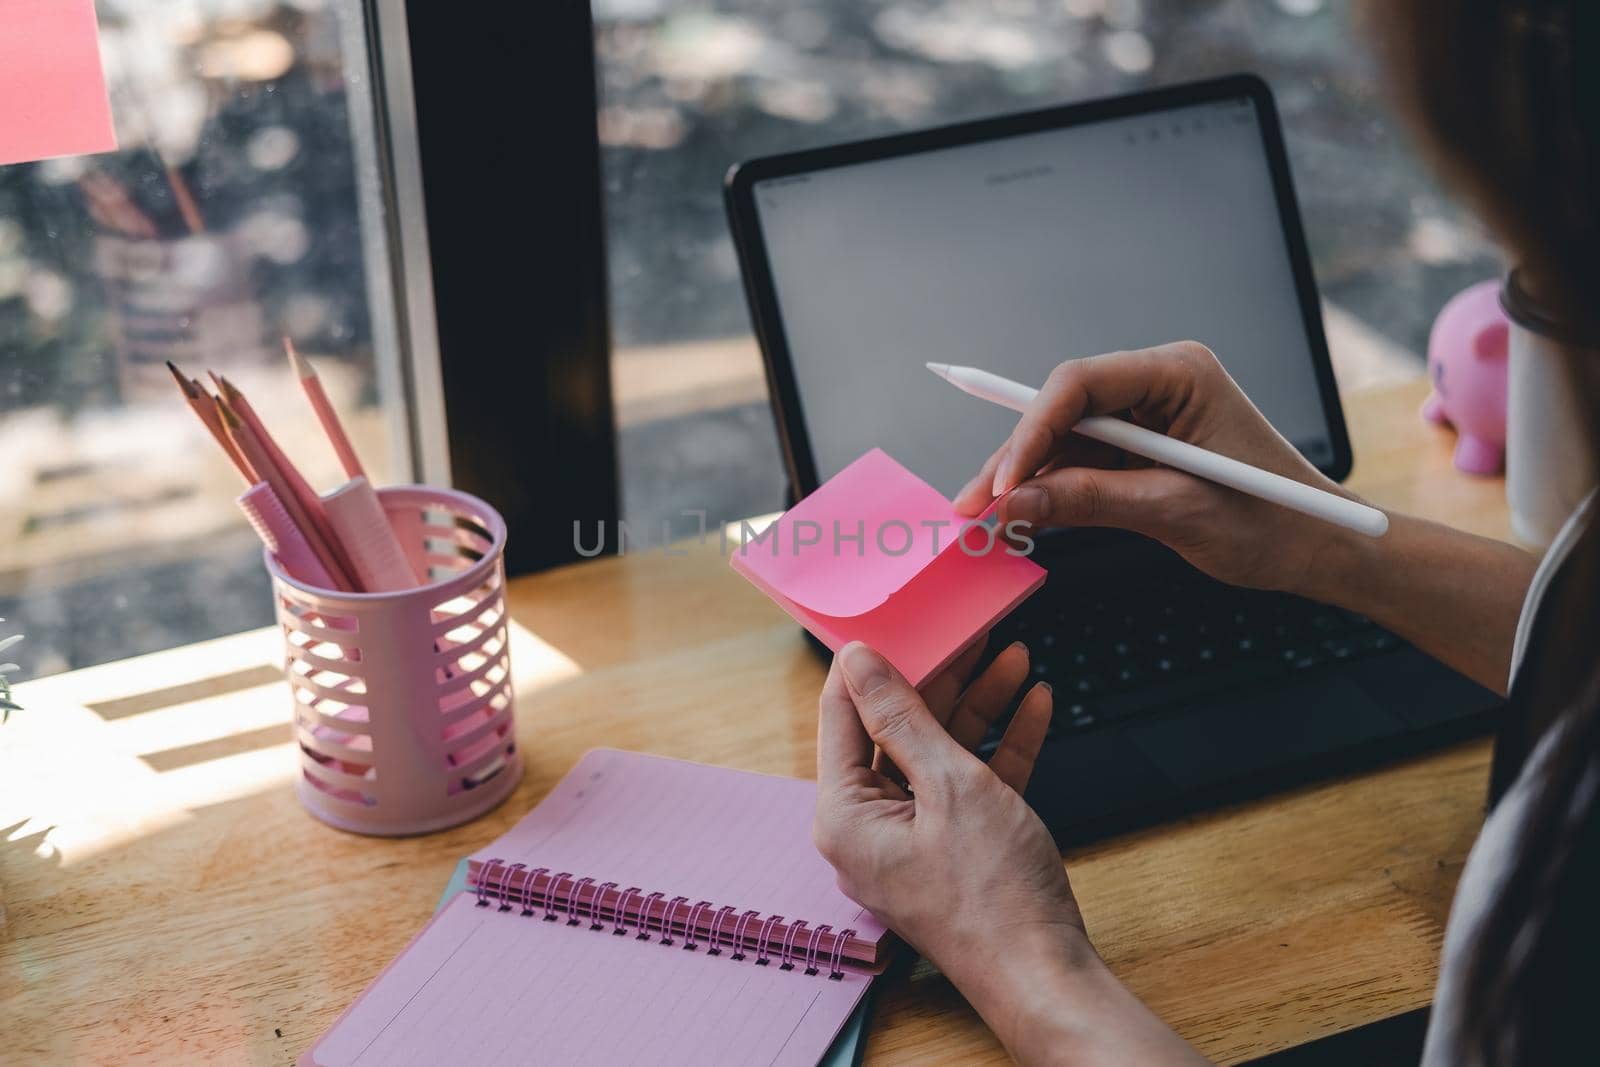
(485, 985)
(479, 985)
(686, 829)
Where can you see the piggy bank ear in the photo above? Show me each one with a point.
(1491, 340)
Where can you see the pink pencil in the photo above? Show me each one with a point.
(253, 450)
(312, 384)
(200, 403)
(308, 502)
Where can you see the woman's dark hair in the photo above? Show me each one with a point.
(1506, 98)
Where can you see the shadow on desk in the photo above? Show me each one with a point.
(1392, 1042)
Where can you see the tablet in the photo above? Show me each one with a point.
(1014, 243)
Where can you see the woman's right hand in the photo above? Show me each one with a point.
(1048, 476)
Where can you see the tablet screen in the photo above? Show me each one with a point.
(1014, 254)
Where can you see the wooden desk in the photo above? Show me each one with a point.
(166, 898)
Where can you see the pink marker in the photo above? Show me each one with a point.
(282, 537)
(368, 537)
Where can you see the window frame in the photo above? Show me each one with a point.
(515, 246)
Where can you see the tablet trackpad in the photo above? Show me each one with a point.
(1235, 736)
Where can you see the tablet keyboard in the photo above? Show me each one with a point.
(1111, 655)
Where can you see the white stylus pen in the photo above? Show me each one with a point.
(1180, 455)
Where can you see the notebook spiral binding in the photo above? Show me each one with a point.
(536, 888)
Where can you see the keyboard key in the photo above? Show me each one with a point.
(1326, 622)
(1380, 641)
(1074, 716)
(1342, 648)
(1087, 685)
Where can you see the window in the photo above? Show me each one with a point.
(689, 89)
(246, 204)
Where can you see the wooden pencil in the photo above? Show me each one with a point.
(311, 384)
(253, 451)
(185, 200)
(296, 484)
(200, 403)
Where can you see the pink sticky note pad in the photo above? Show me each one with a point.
(906, 586)
(52, 89)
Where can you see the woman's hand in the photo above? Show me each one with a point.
(1052, 477)
(1452, 594)
(955, 861)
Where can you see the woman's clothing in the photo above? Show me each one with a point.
(1494, 853)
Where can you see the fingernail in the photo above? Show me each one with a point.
(1028, 504)
(998, 486)
(1019, 644)
(1048, 688)
(863, 668)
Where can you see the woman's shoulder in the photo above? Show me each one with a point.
(1532, 858)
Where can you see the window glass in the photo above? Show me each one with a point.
(689, 88)
(242, 207)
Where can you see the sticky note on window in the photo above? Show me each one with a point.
(878, 555)
(52, 87)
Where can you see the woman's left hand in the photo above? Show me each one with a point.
(954, 861)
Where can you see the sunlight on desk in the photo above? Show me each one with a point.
(157, 737)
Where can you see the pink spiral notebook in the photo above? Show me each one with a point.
(648, 911)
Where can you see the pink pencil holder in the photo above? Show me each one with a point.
(402, 700)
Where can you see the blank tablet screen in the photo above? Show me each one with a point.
(1014, 254)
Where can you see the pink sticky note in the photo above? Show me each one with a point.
(878, 555)
(52, 89)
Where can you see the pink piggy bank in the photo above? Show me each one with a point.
(1467, 365)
